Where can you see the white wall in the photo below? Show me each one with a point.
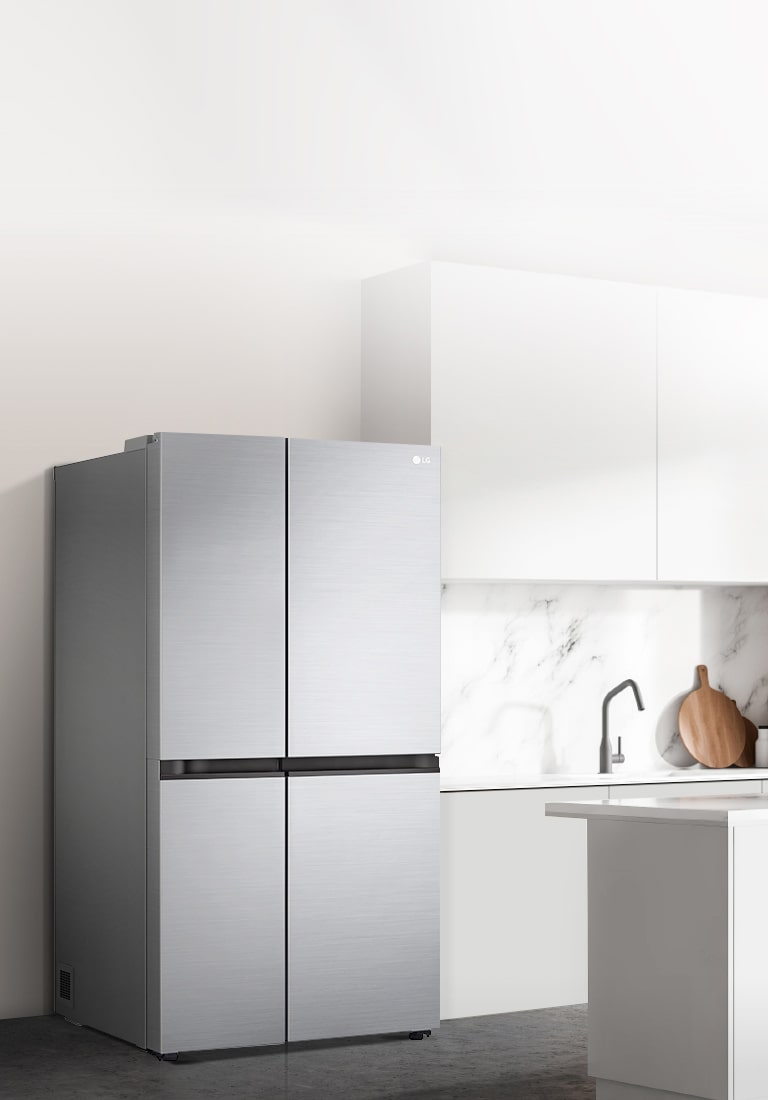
(111, 331)
(612, 138)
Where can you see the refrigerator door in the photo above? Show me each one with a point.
(363, 904)
(363, 599)
(218, 615)
(221, 905)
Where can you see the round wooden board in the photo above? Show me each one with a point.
(711, 727)
(747, 758)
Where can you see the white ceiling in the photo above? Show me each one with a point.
(622, 138)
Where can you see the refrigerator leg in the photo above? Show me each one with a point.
(165, 1057)
(420, 1034)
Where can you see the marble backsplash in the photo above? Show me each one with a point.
(525, 669)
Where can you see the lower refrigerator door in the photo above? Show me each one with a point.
(216, 958)
(363, 904)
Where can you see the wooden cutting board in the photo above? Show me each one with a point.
(747, 758)
(711, 727)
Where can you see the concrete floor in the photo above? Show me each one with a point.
(538, 1055)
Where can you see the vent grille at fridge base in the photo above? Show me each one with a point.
(65, 984)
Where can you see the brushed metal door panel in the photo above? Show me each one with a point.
(364, 599)
(222, 913)
(363, 904)
(222, 589)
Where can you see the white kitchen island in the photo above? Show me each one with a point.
(678, 946)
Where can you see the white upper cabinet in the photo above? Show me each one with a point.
(541, 392)
(713, 437)
(543, 400)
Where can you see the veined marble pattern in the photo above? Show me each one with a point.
(525, 669)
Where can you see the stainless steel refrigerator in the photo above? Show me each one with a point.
(246, 713)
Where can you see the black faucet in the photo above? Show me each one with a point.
(607, 757)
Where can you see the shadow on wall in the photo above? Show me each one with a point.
(26, 617)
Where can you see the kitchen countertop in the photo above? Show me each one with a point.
(615, 779)
(722, 810)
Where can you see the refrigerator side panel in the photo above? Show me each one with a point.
(100, 744)
(364, 599)
(222, 593)
(363, 904)
(154, 1040)
(222, 913)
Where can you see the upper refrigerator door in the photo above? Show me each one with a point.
(363, 599)
(216, 534)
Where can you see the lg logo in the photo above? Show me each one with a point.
(419, 459)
